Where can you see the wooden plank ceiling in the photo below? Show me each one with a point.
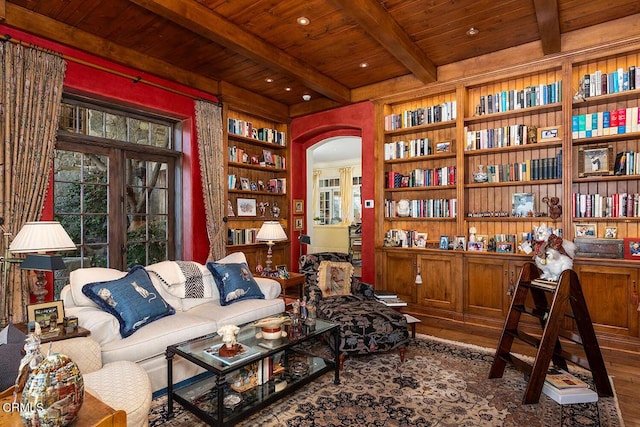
(257, 46)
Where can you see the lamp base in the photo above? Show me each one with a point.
(40, 287)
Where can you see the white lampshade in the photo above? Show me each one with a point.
(41, 236)
(271, 231)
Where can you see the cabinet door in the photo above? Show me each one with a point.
(400, 274)
(609, 295)
(485, 287)
(439, 288)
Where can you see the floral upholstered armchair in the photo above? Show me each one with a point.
(366, 326)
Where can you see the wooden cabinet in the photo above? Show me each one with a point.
(399, 274)
(258, 184)
(440, 292)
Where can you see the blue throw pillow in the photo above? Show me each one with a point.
(235, 282)
(133, 300)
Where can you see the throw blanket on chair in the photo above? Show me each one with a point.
(184, 279)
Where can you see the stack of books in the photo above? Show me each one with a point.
(389, 298)
(565, 388)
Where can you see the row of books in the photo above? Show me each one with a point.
(599, 206)
(237, 154)
(529, 170)
(422, 177)
(627, 163)
(241, 236)
(430, 208)
(405, 149)
(421, 116)
(566, 388)
(513, 99)
(620, 80)
(602, 123)
(246, 129)
(397, 237)
(505, 136)
(273, 185)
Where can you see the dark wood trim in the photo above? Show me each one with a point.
(548, 24)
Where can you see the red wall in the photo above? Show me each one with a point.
(121, 90)
(353, 120)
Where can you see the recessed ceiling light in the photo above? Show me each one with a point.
(472, 31)
(303, 20)
(268, 80)
(288, 89)
(364, 64)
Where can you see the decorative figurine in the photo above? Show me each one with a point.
(228, 334)
(472, 234)
(552, 254)
(275, 210)
(31, 359)
(555, 210)
(230, 209)
(480, 175)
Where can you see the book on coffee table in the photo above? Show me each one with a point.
(243, 353)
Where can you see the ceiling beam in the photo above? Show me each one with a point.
(204, 22)
(548, 25)
(381, 26)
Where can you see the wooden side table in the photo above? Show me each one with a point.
(62, 335)
(94, 413)
(295, 279)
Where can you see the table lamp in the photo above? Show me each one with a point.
(270, 232)
(41, 237)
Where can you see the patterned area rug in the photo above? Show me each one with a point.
(441, 383)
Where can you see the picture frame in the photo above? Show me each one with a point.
(504, 247)
(549, 133)
(298, 206)
(523, 205)
(444, 242)
(283, 273)
(246, 207)
(595, 160)
(459, 243)
(298, 223)
(632, 248)
(443, 147)
(42, 312)
(268, 157)
(586, 230)
(420, 240)
(477, 246)
(610, 232)
(484, 239)
(245, 184)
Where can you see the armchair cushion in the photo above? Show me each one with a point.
(334, 278)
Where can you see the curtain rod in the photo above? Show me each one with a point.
(134, 79)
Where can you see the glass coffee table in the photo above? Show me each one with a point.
(265, 371)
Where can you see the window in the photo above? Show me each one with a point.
(114, 185)
(330, 209)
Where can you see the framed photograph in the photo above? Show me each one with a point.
(420, 240)
(444, 242)
(45, 312)
(255, 160)
(246, 207)
(586, 230)
(550, 133)
(632, 248)
(459, 243)
(504, 247)
(443, 147)
(523, 205)
(283, 273)
(268, 159)
(484, 239)
(298, 223)
(298, 206)
(476, 246)
(595, 160)
(610, 232)
(245, 184)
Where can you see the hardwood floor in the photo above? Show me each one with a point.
(623, 367)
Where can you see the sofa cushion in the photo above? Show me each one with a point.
(80, 277)
(132, 300)
(235, 282)
(334, 278)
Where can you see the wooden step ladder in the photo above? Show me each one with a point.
(565, 300)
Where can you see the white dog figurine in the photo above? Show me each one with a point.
(552, 254)
(228, 334)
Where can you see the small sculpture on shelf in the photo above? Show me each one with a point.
(555, 210)
(228, 334)
(552, 254)
(263, 208)
(480, 175)
(275, 210)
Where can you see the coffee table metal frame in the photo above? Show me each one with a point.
(193, 351)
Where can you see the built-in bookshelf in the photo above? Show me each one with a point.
(257, 183)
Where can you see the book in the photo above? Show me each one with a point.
(244, 353)
(559, 378)
(570, 395)
(393, 302)
(384, 294)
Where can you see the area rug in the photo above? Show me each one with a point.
(441, 383)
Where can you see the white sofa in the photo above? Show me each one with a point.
(193, 317)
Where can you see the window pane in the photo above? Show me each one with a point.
(138, 132)
(116, 127)
(158, 202)
(161, 135)
(66, 198)
(95, 229)
(96, 123)
(95, 199)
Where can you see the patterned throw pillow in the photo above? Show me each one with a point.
(133, 300)
(234, 282)
(334, 278)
